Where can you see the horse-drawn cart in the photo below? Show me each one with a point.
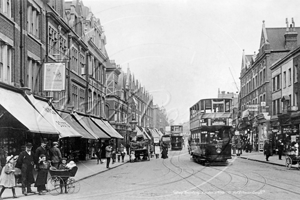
(140, 150)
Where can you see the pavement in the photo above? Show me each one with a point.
(86, 169)
(260, 157)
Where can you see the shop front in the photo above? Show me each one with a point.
(289, 128)
(20, 122)
(88, 124)
(76, 146)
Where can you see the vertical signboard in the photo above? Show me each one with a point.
(54, 76)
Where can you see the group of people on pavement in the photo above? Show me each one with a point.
(279, 149)
(24, 165)
(110, 153)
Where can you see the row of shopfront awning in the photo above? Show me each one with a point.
(20, 111)
(144, 132)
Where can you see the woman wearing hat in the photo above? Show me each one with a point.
(7, 178)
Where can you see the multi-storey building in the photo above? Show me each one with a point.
(256, 88)
(127, 103)
(234, 106)
(116, 107)
(285, 115)
(97, 59)
(34, 33)
(160, 119)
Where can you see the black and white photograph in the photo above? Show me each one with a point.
(149, 99)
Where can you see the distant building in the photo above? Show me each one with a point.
(234, 106)
(160, 119)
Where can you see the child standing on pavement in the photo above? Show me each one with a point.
(41, 179)
(7, 178)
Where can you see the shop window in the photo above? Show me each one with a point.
(295, 73)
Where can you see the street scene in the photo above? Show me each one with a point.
(152, 99)
(180, 178)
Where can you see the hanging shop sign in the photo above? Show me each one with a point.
(54, 76)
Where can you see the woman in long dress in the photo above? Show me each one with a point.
(7, 178)
(164, 153)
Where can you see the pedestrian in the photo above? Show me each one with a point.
(41, 150)
(267, 150)
(127, 148)
(108, 154)
(157, 150)
(113, 153)
(3, 156)
(7, 178)
(55, 155)
(164, 153)
(99, 152)
(25, 162)
(41, 179)
(280, 149)
(239, 147)
(122, 152)
(250, 147)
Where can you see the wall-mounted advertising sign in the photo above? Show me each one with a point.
(218, 121)
(54, 76)
(252, 107)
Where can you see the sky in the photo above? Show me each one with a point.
(182, 51)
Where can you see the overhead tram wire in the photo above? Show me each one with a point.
(234, 80)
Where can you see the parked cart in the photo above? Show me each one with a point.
(140, 150)
(292, 157)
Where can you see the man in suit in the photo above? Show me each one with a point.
(42, 150)
(55, 155)
(280, 149)
(26, 163)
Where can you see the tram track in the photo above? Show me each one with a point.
(265, 183)
(243, 175)
(247, 179)
(186, 179)
(121, 192)
(211, 184)
(179, 171)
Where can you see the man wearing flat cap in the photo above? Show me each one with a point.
(25, 162)
(55, 155)
(41, 150)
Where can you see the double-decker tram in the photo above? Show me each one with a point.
(211, 130)
(176, 137)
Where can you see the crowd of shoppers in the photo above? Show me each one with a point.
(25, 164)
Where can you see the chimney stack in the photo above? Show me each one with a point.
(290, 35)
